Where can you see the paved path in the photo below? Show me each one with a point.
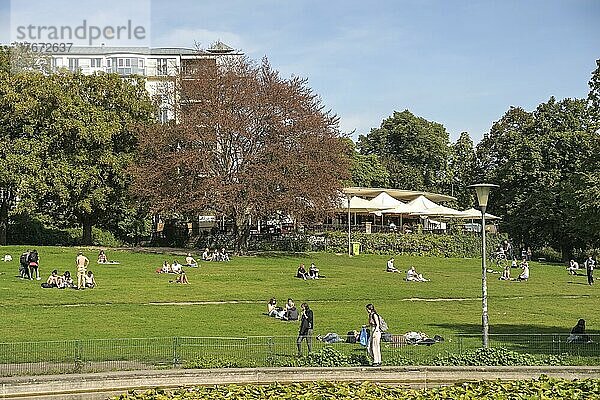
(102, 385)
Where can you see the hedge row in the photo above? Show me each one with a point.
(428, 245)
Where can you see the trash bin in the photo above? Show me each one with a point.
(355, 248)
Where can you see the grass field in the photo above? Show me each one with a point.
(229, 299)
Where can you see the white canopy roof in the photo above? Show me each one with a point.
(419, 204)
(384, 201)
(439, 211)
(473, 213)
(357, 205)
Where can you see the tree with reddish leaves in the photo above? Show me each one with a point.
(247, 144)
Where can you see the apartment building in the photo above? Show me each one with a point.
(157, 64)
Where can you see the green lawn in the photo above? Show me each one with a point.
(229, 299)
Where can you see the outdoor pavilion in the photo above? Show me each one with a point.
(378, 202)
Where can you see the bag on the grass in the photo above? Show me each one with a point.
(363, 339)
(383, 326)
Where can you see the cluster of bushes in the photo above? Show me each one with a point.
(542, 388)
(31, 231)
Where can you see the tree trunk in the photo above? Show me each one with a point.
(87, 224)
(3, 222)
(242, 234)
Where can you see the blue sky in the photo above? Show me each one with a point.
(462, 64)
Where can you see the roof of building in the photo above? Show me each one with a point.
(106, 50)
(399, 194)
(219, 47)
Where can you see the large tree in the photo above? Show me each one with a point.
(68, 142)
(538, 159)
(248, 143)
(462, 170)
(415, 151)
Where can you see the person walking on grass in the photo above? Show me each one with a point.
(373, 346)
(306, 328)
(82, 262)
(589, 268)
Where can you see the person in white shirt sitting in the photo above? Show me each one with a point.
(413, 276)
(390, 266)
(176, 267)
(573, 266)
(525, 273)
(190, 262)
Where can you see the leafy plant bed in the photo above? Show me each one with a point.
(542, 388)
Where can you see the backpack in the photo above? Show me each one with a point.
(383, 326)
(33, 257)
(24, 258)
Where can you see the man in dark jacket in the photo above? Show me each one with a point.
(306, 329)
(589, 267)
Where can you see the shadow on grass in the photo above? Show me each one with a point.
(533, 339)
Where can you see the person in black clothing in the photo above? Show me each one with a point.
(24, 265)
(306, 329)
(578, 334)
(589, 268)
(34, 271)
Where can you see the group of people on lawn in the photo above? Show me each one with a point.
(523, 276)
(411, 274)
(589, 265)
(177, 268)
(312, 273)
(215, 255)
(85, 277)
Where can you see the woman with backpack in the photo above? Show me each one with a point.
(34, 260)
(373, 347)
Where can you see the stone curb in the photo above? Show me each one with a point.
(102, 385)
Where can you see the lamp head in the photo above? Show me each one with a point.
(483, 192)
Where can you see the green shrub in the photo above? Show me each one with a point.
(542, 388)
(207, 362)
(548, 253)
(496, 357)
(328, 357)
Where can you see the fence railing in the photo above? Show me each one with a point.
(95, 355)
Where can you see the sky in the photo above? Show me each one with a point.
(459, 63)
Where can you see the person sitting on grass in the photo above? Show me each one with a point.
(66, 281)
(176, 267)
(52, 281)
(578, 334)
(206, 255)
(223, 256)
(165, 269)
(413, 276)
(291, 312)
(573, 267)
(524, 275)
(190, 262)
(390, 266)
(273, 310)
(301, 273)
(90, 282)
(313, 271)
(102, 259)
(216, 256)
(181, 278)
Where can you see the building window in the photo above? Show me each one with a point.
(161, 66)
(128, 62)
(163, 116)
(108, 62)
(73, 64)
(120, 62)
(141, 62)
(96, 62)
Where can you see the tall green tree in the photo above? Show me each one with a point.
(537, 159)
(462, 168)
(414, 151)
(69, 141)
(366, 170)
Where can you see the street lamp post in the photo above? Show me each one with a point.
(348, 197)
(483, 193)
